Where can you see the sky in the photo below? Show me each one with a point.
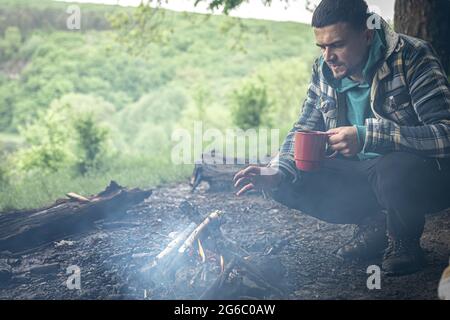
(278, 11)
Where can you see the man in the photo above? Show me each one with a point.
(386, 99)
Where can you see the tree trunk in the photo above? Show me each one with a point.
(427, 20)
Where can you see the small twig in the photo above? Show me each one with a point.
(75, 196)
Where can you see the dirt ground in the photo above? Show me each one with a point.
(297, 251)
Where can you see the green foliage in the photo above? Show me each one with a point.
(146, 126)
(10, 43)
(7, 98)
(142, 26)
(60, 66)
(250, 105)
(47, 142)
(91, 142)
(201, 99)
(4, 179)
(203, 107)
(286, 83)
(62, 137)
(150, 24)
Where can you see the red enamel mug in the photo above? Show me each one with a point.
(310, 149)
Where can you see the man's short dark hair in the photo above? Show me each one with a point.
(353, 12)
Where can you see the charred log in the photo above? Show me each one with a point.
(218, 171)
(24, 230)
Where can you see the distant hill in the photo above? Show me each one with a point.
(80, 107)
(43, 61)
(49, 15)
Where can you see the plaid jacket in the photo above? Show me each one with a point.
(410, 98)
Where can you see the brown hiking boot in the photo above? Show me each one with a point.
(369, 240)
(403, 256)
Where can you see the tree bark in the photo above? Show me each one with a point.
(427, 20)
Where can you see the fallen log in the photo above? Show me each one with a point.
(24, 230)
(218, 171)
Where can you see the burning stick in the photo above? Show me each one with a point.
(201, 252)
(222, 265)
(175, 243)
(196, 233)
(173, 257)
(180, 258)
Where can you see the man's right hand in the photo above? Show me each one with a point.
(259, 178)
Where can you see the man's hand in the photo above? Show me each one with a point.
(345, 141)
(256, 178)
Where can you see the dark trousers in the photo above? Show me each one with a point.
(403, 185)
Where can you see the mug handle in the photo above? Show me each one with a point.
(334, 153)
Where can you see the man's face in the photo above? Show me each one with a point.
(344, 49)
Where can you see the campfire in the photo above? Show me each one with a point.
(198, 262)
(202, 259)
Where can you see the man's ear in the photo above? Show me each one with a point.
(369, 34)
